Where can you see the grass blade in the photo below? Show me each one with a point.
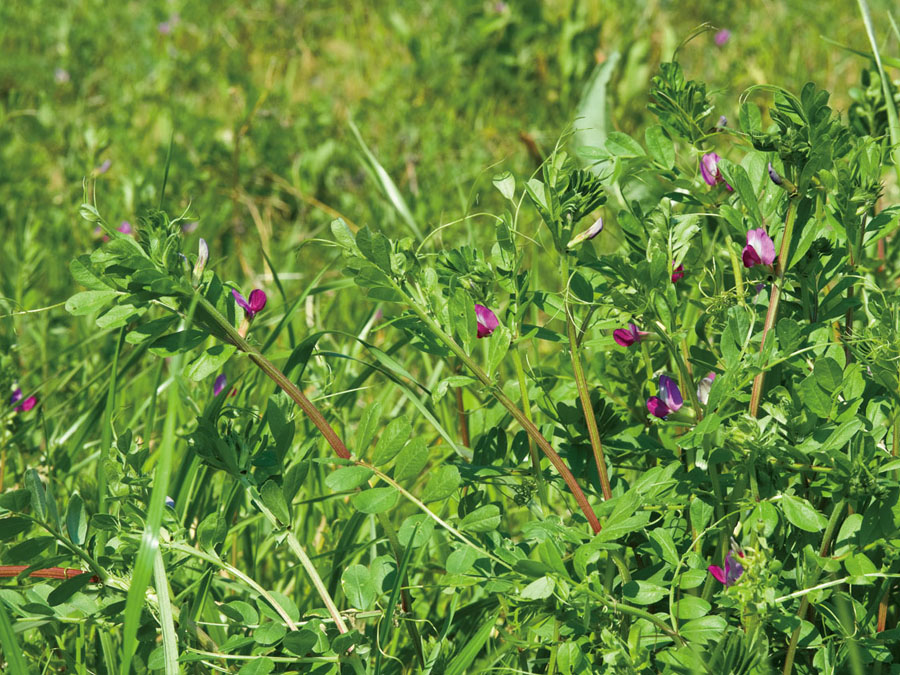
(14, 656)
(170, 642)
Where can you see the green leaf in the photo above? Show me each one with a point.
(348, 478)
(269, 633)
(483, 519)
(506, 183)
(420, 525)
(701, 631)
(461, 560)
(358, 586)
(302, 641)
(801, 514)
(828, 374)
(368, 425)
(736, 176)
(76, 519)
(581, 288)
(15, 657)
(539, 589)
(462, 318)
(691, 607)
(411, 460)
(472, 645)
(83, 273)
(643, 592)
(38, 495)
(210, 361)
(261, 665)
(175, 343)
(661, 147)
(443, 483)
(273, 498)
(68, 588)
(623, 145)
(498, 346)
(375, 500)
(119, 315)
(391, 441)
(664, 546)
(13, 526)
(88, 302)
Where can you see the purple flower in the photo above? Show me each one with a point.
(256, 303)
(589, 233)
(723, 122)
(628, 336)
(677, 273)
(773, 174)
(486, 319)
(703, 388)
(732, 572)
(170, 502)
(669, 399)
(125, 227)
(722, 37)
(709, 169)
(25, 405)
(219, 384)
(759, 249)
(103, 168)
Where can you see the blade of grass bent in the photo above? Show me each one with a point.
(170, 642)
(14, 656)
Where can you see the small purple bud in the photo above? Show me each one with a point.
(103, 168)
(773, 174)
(722, 37)
(220, 384)
(16, 396)
(723, 121)
(256, 303)
(202, 257)
(589, 233)
(628, 336)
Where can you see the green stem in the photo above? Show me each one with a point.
(526, 408)
(777, 288)
(736, 270)
(804, 603)
(686, 380)
(507, 403)
(638, 613)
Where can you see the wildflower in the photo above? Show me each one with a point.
(759, 249)
(589, 233)
(722, 37)
(628, 336)
(732, 572)
(103, 168)
(256, 304)
(202, 258)
(677, 273)
(709, 169)
(125, 227)
(703, 388)
(219, 384)
(25, 405)
(773, 174)
(170, 502)
(723, 122)
(669, 399)
(486, 319)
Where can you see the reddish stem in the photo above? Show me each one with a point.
(46, 573)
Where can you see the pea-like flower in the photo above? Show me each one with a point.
(703, 388)
(589, 233)
(256, 303)
(669, 399)
(760, 248)
(25, 405)
(628, 336)
(677, 273)
(220, 384)
(773, 174)
(732, 572)
(709, 169)
(487, 321)
(202, 258)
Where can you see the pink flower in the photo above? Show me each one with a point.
(256, 303)
(703, 388)
(125, 227)
(732, 572)
(25, 405)
(486, 319)
(628, 336)
(677, 273)
(759, 249)
(669, 399)
(709, 169)
(722, 37)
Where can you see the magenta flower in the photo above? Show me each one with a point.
(703, 388)
(669, 399)
(25, 405)
(709, 169)
(732, 572)
(722, 37)
(486, 319)
(589, 233)
(125, 227)
(628, 336)
(677, 273)
(760, 249)
(256, 303)
(220, 384)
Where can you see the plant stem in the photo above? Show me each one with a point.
(505, 401)
(638, 613)
(463, 418)
(278, 377)
(526, 408)
(736, 270)
(804, 603)
(777, 288)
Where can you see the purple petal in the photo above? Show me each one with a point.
(27, 404)
(750, 257)
(240, 300)
(677, 273)
(733, 569)
(219, 384)
(717, 572)
(773, 174)
(257, 301)
(170, 502)
(762, 244)
(708, 168)
(657, 408)
(16, 396)
(669, 393)
(722, 37)
(723, 121)
(623, 337)
(125, 227)
(487, 321)
(103, 168)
